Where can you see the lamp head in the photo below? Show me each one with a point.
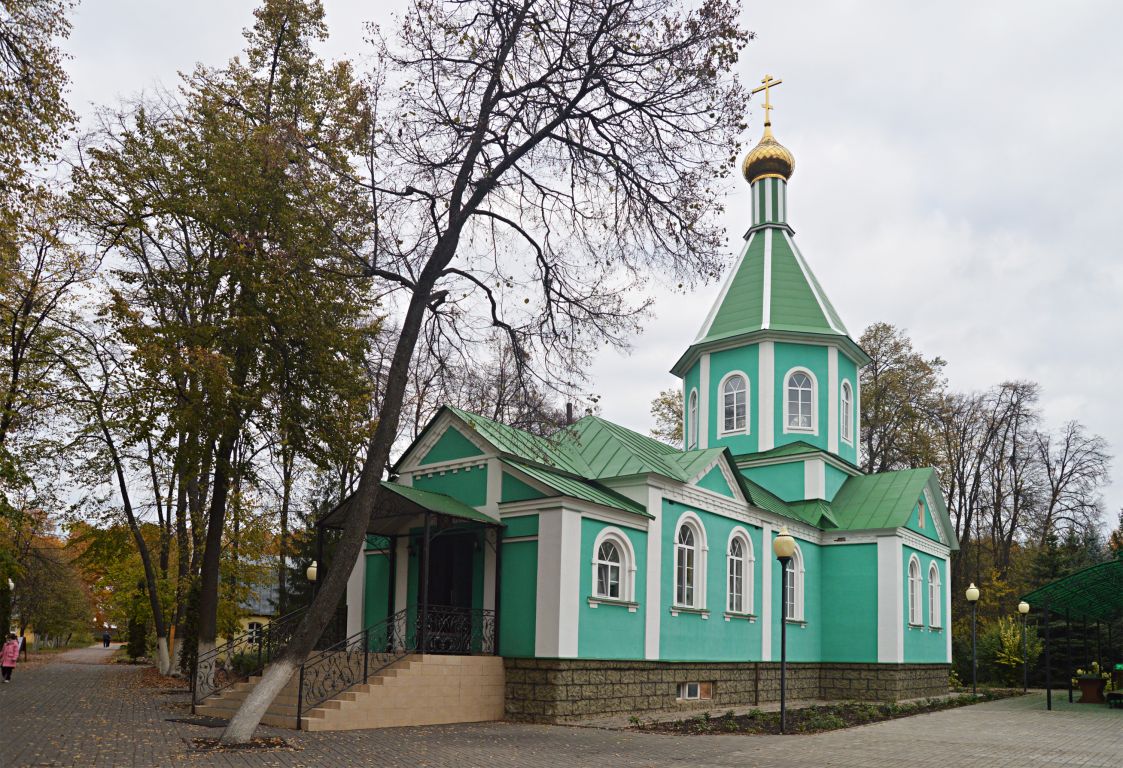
(783, 545)
(1023, 607)
(311, 571)
(972, 593)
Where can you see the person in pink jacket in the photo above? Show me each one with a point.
(8, 656)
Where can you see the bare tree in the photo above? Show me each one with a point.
(588, 136)
(1074, 466)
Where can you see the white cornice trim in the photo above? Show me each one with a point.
(746, 460)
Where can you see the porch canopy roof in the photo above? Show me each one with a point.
(1094, 593)
(398, 503)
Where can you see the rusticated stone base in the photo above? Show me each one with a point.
(553, 690)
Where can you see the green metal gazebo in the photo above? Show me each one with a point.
(1092, 594)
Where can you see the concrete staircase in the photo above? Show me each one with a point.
(416, 690)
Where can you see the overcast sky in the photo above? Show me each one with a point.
(958, 173)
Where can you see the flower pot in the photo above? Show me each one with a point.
(1091, 690)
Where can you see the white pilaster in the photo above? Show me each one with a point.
(401, 573)
(559, 583)
(814, 479)
(356, 582)
(766, 597)
(491, 543)
(494, 486)
(570, 582)
(704, 401)
(945, 584)
(832, 399)
(654, 597)
(890, 601)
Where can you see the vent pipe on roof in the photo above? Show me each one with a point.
(568, 414)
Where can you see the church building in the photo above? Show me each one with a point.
(615, 574)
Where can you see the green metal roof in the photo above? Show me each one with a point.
(884, 500)
(771, 287)
(579, 489)
(552, 450)
(439, 503)
(1094, 593)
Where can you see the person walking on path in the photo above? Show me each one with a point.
(8, 656)
(105, 639)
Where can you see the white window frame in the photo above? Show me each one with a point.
(627, 564)
(745, 430)
(814, 429)
(846, 403)
(915, 583)
(693, 522)
(920, 505)
(692, 420)
(748, 566)
(797, 589)
(935, 596)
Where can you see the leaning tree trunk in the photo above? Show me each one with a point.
(245, 721)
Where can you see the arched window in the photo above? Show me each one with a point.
(846, 413)
(799, 404)
(734, 404)
(690, 566)
(739, 570)
(935, 597)
(793, 588)
(614, 565)
(692, 422)
(608, 571)
(915, 613)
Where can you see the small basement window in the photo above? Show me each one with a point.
(695, 691)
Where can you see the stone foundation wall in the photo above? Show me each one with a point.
(548, 690)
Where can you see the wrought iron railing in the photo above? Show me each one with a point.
(241, 656)
(354, 660)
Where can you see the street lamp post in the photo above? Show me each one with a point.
(784, 547)
(973, 599)
(1023, 609)
(311, 572)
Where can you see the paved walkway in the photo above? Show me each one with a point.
(76, 711)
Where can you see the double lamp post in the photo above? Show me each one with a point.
(1023, 609)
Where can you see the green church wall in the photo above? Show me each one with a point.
(690, 383)
(835, 477)
(928, 530)
(513, 489)
(745, 360)
(467, 484)
(376, 591)
(849, 604)
(714, 481)
(518, 588)
(784, 480)
(518, 592)
(521, 525)
(451, 446)
(804, 637)
(848, 371)
(923, 644)
(610, 631)
(688, 636)
(814, 358)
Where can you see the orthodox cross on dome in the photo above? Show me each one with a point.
(768, 82)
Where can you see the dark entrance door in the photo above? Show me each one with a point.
(450, 570)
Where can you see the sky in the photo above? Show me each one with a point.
(959, 173)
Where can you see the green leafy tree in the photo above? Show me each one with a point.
(901, 396)
(667, 409)
(236, 294)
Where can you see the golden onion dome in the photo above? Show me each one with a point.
(768, 159)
